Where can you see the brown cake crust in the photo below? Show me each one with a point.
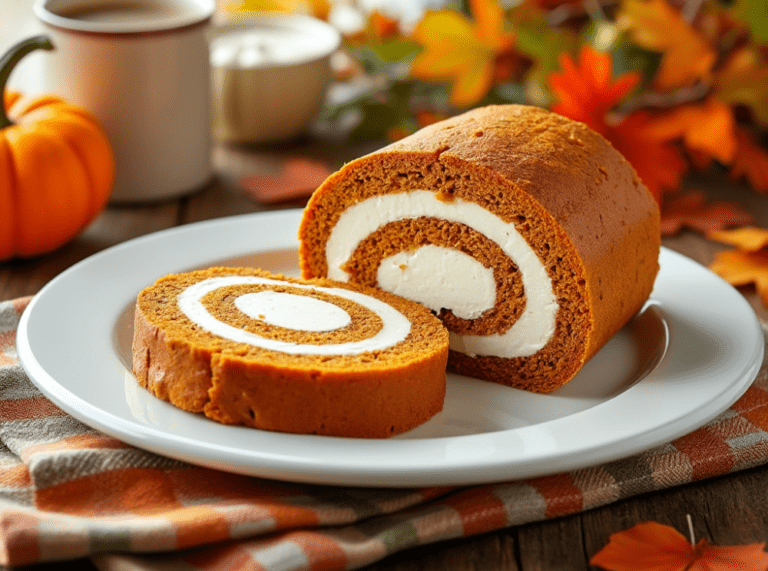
(571, 195)
(371, 395)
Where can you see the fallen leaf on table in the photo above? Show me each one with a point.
(740, 268)
(693, 212)
(652, 546)
(299, 178)
(748, 238)
(750, 161)
(656, 26)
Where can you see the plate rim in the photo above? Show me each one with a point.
(301, 469)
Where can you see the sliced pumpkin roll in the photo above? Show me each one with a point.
(243, 346)
(527, 233)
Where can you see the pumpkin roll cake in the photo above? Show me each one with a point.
(243, 346)
(527, 233)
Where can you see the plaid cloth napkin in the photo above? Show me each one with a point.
(67, 491)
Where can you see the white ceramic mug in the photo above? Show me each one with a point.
(142, 68)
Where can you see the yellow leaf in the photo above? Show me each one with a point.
(458, 50)
(472, 84)
(489, 21)
(747, 238)
(655, 25)
(740, 268)
(743, 79)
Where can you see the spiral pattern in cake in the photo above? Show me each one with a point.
(247, 347)
(527, 233)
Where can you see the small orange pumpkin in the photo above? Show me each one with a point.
(57, 168)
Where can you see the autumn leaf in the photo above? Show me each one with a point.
(740, 268)
(747, 238)
(382, 26)
(587, 92)
(658, 162)
(708, 128)
(461, 51)
(317, 8)
(753, 12)
(651, 546)
(743, 79)
(655, 25)
(750, 161)
(299, 178)
(692, 211)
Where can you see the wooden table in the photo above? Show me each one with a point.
(726, 510)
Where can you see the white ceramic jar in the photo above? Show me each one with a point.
(270, 76)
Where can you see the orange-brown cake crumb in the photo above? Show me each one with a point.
(230, 343)
(526, 205)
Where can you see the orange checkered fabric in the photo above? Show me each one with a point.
(68, 492)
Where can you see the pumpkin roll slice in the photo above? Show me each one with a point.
(243, 346)
(527, 233)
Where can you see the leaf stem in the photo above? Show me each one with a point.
(9, 61)
(690, 529)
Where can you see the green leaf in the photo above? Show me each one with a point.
(378, 117)
(543, 44)
(631, 57)
(507, 93)
(755, 14)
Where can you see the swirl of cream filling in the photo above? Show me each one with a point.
(395, 326)
(530, 333)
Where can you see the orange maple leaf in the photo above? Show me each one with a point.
(750, 161)
(747, 238)
(458, 50)
(740, 268)
(708, 128)
(587, 92)
(658, 162)
(651, 546)
(692, 211)
(655, 25)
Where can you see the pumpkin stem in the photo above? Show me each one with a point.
(9, 61)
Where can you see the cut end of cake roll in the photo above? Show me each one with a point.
(527, 233)
(243, 346)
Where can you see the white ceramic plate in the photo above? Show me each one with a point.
(690, 354)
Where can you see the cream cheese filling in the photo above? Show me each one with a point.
(428, 275)
(291, 311)
(395, 326)
(535, 327)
